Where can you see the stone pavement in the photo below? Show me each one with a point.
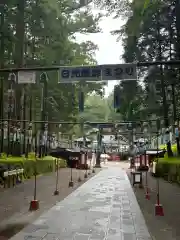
(104, 208)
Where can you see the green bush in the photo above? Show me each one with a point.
(40, 166)
(169, 169)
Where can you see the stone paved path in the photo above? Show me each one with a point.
(104, 208)
(14, 202)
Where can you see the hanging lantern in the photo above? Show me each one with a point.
(116, 97)
(81, 101)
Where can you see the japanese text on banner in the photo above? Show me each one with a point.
(98, 73)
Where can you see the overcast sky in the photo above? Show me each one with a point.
(110, 50)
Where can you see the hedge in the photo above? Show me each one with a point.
(169, 169)
(41, 166)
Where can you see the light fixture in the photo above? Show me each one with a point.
(137, 178)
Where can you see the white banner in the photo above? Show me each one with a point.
(26, 77)
(126, 71)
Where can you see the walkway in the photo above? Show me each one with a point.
(105, 207)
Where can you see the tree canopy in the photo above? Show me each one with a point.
(150, 33)
(42, 33)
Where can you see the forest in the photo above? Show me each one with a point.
(151, 33)
(42, 33)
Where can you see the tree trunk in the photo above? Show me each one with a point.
(2, 77)
(19, 48)
(177, 14)
(19, 57)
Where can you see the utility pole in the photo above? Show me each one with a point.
(19, 62)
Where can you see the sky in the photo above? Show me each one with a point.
(110, 50)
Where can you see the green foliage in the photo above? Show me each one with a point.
(113, 115)
(31, 166)
(131, 102)
(101, 109)
(169, 169)
(151, 33)
(96, 109)
(42, 33)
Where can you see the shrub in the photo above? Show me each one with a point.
(169, 169)
(30, 166)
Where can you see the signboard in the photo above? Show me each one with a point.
(108, 72)
(26, 77)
